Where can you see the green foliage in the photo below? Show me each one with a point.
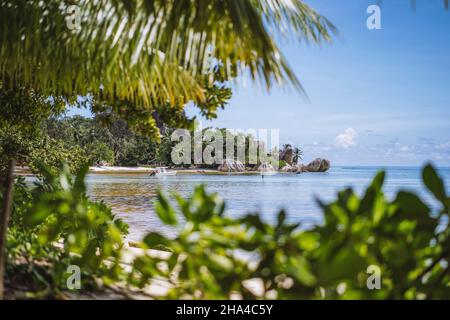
(298, 155)
(213, 256)
(400, 236)
(24, 108)
(55, 153)
(22, 112)
(111, 140)
(100, 152)
(281, 164)
(31, 129)
(31, 148)
(237, 139)
(152, 122)
(54, 225)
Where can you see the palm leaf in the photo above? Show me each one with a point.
(149, 51)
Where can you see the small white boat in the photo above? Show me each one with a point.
(162, 171)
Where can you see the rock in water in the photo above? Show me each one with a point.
(325, 165)
(317, 165)
(287, 168)
(231, 165)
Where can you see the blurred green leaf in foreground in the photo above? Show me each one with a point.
(215, 256)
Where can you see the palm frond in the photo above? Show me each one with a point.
(149, 51)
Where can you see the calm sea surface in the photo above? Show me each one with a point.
(132, 195)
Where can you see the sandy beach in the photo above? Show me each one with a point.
(145, 170)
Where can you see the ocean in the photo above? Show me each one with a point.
(132, 196)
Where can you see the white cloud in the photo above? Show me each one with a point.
(443, 146)
(404, 148)
(347, 139)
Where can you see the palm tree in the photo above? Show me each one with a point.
(298, 155)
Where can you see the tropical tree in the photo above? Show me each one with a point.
(298, 155)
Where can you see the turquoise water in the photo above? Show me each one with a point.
(132, 195)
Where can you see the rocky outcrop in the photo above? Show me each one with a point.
(231, 165)
(317, 165)
(289, 168)
(287, 154)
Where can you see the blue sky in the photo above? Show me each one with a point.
(376, 97)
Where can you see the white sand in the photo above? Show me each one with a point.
(102, 169)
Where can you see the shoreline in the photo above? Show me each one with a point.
(25, 171)
(180, 171)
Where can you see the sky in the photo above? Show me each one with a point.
(375, 97)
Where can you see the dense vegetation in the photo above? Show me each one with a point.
(22, 136)
(54, 225)
(115, 144)
(77, 140)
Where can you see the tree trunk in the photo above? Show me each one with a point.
(4, 220)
